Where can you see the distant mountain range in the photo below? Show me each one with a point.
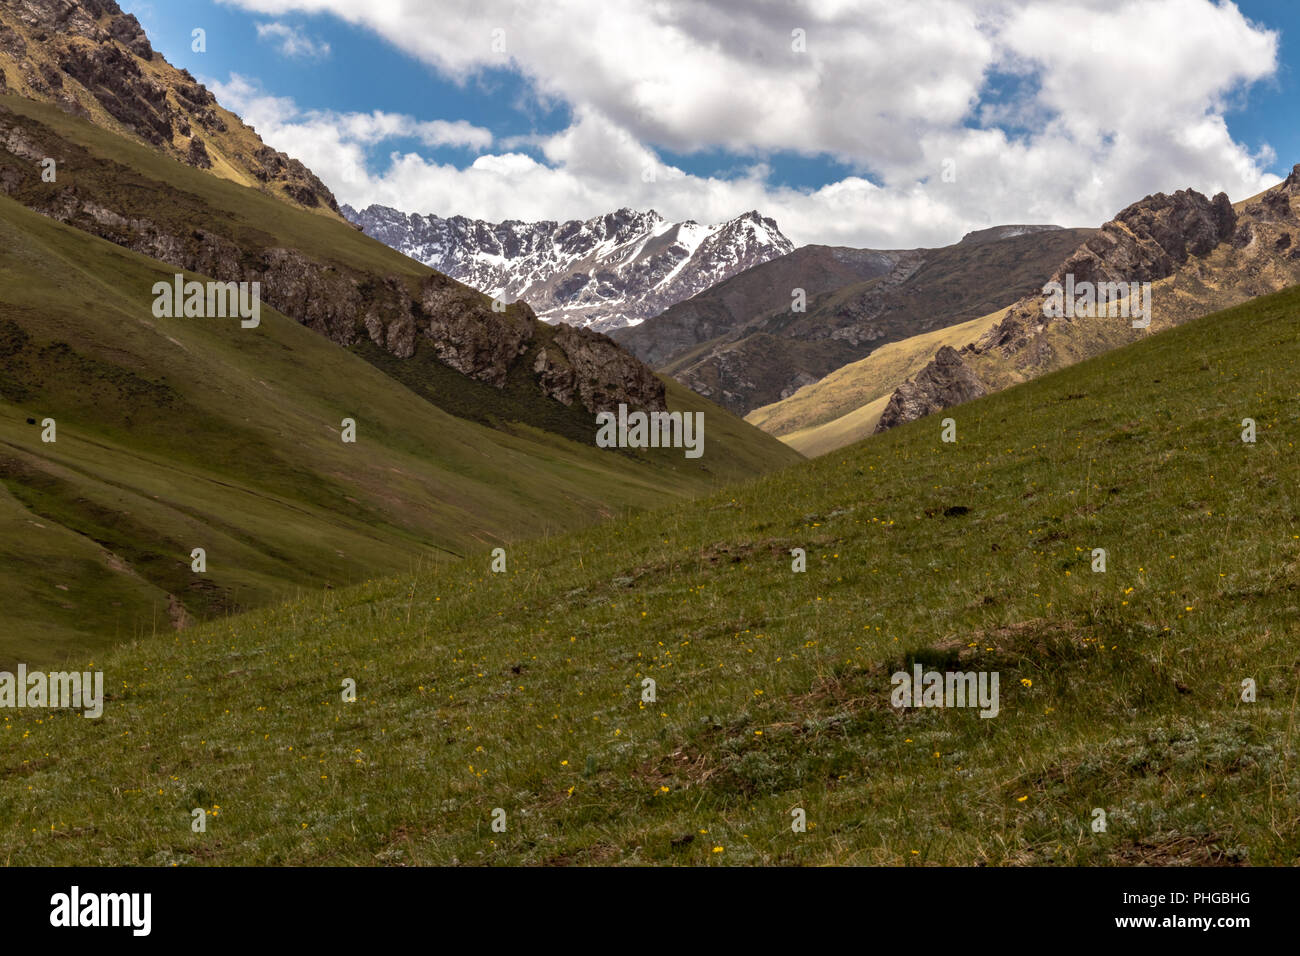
(604, 273)
(748, 341)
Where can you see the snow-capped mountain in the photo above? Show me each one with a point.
(606, 273)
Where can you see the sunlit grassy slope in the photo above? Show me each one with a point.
(845, 430)
(522, 691)
(845, 406)
(175, 434)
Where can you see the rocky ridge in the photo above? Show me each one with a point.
(1201, 255)
(945, 382)
(94, 61)
(396, 313)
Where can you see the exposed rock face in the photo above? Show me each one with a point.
(1184, 225)
(592, 368)
(1275, 208)
(470, 337)
(945, 382)
(1152, 238)
(126, 30)
(115, 79)
(88, 57)
(197, 154)
(1148, 240)
(1205, 255)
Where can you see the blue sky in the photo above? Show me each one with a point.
(842, 143)
(1268, 115)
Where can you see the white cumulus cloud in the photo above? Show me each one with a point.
(1058, 112)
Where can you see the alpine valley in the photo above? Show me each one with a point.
(368, 537)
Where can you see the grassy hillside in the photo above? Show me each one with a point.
(844, 406)
(182, 433)
(522, 691)
(845, 430)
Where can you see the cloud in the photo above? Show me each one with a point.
(292, 41)
(280, 118)
(1063, 112)
(377, 126)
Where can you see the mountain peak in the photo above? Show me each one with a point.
(606, 272)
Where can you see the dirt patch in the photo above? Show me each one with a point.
(180, 618)
(1176, 850)
(677, 770)
(834, 692)
(27, 768)
(1038, 640)
(720, 553)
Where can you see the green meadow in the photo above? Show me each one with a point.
(524, 691)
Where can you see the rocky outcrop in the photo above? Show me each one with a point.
(1275, 207)
(271, 166)
(115, 79)
(593, 369)
(469, 336)
(945, 382)
(126, 30)
(71, 17)
(1162, 237)
(1147, 241)
(1152, 238)
(197, 154)
(87, 56)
